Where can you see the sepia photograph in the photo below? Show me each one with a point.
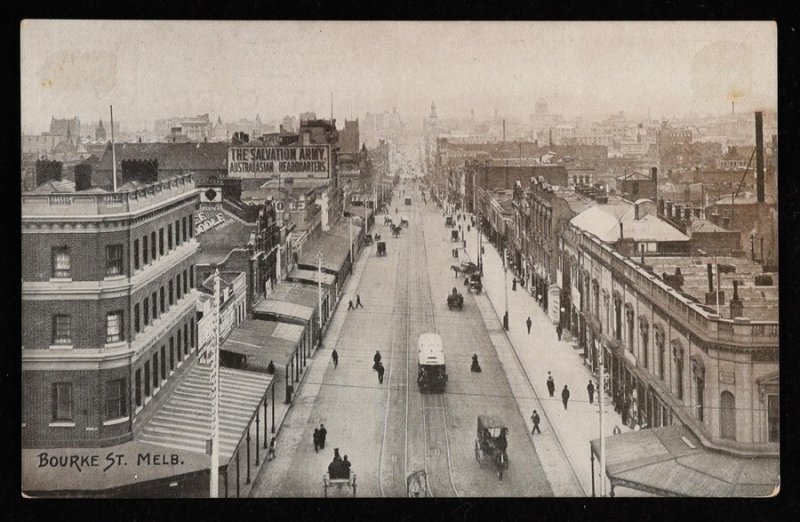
(399, 259)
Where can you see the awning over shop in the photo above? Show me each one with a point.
(671, 461)
(289, 300)
(311, 276)
(264, 341)
(184, 421)
(334, 248)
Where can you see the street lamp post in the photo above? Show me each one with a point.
(350, 230)
(601, 400)
(505, 290)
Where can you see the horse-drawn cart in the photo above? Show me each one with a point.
(455, 300)
(417, 484)
(491, 443)
(338, 483)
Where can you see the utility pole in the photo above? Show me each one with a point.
(601, 400)
(505, 289)
(319, 291)
(350, 229)
(215, 391)
(113, 151)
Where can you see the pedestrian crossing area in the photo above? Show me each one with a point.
(184, 421)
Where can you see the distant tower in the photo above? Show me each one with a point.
(100, 132)
(433, 110)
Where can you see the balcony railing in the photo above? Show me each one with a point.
(707, 325)
(82, 204)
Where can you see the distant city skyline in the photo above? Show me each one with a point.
(238, 69)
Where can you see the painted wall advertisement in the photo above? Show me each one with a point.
(554, 303)
(308, 161)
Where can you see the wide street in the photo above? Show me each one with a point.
(389, 430)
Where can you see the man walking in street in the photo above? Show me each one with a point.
(559, 330)
(590, 389)
(335, 357)
(535, 419)
(380, 372)
(316, 440)
(350, 305)
(323, 434)
(358, 301)
(529, 323)
(551, 384)
(565, 396)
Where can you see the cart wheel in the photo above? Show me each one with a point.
(500, 473)
(477, 452)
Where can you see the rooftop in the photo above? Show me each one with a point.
(170, 156)
(603, 220)
(218, 242)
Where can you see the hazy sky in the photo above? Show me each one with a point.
(150, 70)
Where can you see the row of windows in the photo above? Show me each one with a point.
(115, 407)
(62, 261)
(153, 247)
(156, 304)
(63, 329)
(155, 371)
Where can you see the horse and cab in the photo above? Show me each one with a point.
(448, 222)
(474, 282)
(491, 444)
(381, 248)
(403, 222)
(339, 476)
(454, 235)
(367, 239)
(387, 221)
(466, 268)
(455, 300)
(396, 230)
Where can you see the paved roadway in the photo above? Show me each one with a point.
(389, 430)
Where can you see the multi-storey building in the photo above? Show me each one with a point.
(108, 307)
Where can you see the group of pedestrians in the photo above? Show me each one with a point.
(358, 303)
(320, 434)
(565, 394)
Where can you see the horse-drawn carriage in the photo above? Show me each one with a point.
(367, 239)
(396, 229)
(417, 484)
(339, 482)
(491, 443)
(403, 222)
(381, 248)
(387, 221)
(475, 284)
(455, 300)
(448, 222)
(466, 268)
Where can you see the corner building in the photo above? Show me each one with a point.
(108, 308)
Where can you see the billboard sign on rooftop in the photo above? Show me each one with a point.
(267, 162)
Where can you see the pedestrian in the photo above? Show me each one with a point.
(316, 440)
(323, 434)
(271, 368)
(514, 284)
(616, 430)
(335, 357)
(358, 301)
(271, 452)
(380, 372)
(565, 396)
(376, 359)
(350, 305)
(551, 384)
(558, 331)
(625, 407)
(535, 419)
(590, 389)
(528, 322)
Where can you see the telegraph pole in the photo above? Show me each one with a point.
(113, 151)
(601, 399)
(215, 391)
(505, 289)
(319, 291)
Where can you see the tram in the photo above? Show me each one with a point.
(432, 375)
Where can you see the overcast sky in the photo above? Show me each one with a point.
(150, 70)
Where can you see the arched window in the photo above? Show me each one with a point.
(629, 318)
(661, 351)
(644, 333)
(698, 374)
(617, 318)
(596, 299)
(727, 416)
(677, 354)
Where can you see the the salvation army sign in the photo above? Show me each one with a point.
(309, 161)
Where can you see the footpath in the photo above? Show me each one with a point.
(288, 440)
(563, 445)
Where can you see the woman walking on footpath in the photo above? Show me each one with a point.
(335, 357)
(551, 384)
(565, 396)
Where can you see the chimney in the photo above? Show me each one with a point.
(737, 308)
(726, 222)
(715, 218)
(759, 158)
(83, 177)
(669, 209)
(621, 235)
(711, 295)
(660, 206)
(687, 213)
(710, 277)
(232, 188)
(654, 173)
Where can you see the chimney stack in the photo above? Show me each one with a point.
(711, 295)
(621, 236)
(710, 277)
(660, 206)
(83, 177)
(759, 158)
(669, 209)
(737, 308)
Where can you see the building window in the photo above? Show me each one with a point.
(155, 306)
(62, 329)
(145, 250)
(136, 254)
(137, 327)
(678, 354)
(153, 245)
(138, 387)
(116, 405)
(179, 343)
(183, 225)
(113, 259)
(191, 225)
(186, 339)
(773, 418)
(161, 241)
(171, 357)
(146, 310)
(62, 267)
(185, 283)
(191, 333)
(147, 378)
(171, 344)
(178, 285)
(644, 331)
(177, 232)
(169, 237)
(660, 349)
(171, 293)
(114, 327)
(161, 300)
(163, 362)
(191, 276)
(62, 401)
(155, 370)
